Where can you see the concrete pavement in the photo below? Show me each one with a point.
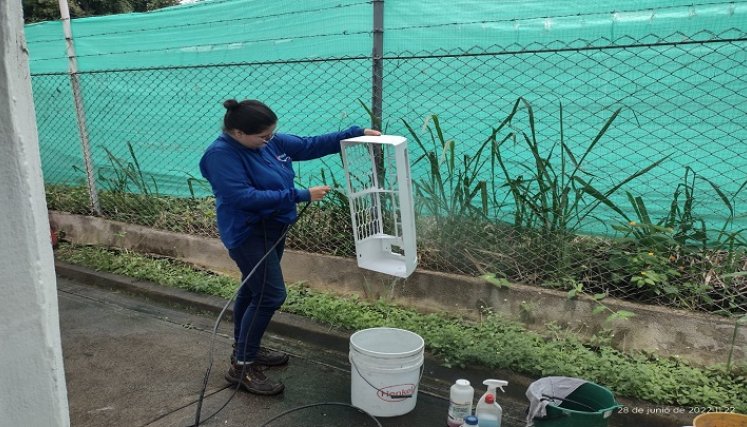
(129, 362)
(136, 353)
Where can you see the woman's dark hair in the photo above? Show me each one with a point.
(249, 116)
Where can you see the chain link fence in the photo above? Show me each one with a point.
(620, 172)
(610, 167)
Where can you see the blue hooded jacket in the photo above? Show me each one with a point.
(252, 185)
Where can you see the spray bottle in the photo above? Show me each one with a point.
(461, 397)
(488, 411)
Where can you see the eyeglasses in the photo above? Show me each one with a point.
(267, 138)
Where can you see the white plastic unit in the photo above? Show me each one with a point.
(381, 209)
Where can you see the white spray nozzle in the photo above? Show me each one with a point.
(493, 384)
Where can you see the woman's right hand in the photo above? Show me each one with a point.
(318, 193)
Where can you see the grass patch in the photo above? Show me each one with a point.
(493, 343)
(163, 271)
(190, 215)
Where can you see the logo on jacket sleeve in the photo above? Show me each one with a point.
(283, 157)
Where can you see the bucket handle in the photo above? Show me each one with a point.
(548, 397)
(407, 396)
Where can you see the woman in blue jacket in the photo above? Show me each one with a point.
(249, 168)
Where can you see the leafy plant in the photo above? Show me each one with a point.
(498, 282)
(577, 291)
(652, 255)
(645, 270)
(644, 257)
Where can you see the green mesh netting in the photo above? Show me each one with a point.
(155, 82)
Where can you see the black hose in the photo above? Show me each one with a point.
(298, 408)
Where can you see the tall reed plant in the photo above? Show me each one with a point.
(128, 176)
(553, 194)
(550, 193)
(453, 187)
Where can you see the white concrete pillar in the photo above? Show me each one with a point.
(32, 378)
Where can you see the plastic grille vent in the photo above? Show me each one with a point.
(381, 208)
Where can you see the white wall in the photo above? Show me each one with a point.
(32, 378)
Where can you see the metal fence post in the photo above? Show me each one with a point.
(377, 85)
(79, 110)
(377, 55)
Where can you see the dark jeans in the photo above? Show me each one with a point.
(262, 294)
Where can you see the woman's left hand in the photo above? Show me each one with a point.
(371, 132)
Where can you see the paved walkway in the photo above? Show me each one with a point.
(132, 361)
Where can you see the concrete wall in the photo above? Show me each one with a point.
(32, 378)
(699, 338)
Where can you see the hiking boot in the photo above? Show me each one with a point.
(265, 357)
(268, 357)
(254, 380)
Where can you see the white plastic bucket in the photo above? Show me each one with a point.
(385, 370)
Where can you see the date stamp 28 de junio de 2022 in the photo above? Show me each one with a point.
(673, 410)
